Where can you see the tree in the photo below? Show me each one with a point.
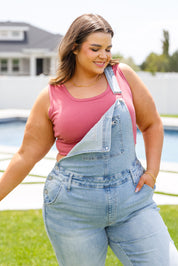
(173, 62)
(158, 63)
(165, 43)
(155, 63)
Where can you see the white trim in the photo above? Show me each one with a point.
(35, 51)
(27, 55)
(32, 66)
(9, 66)
(12, 54)
(14, 28)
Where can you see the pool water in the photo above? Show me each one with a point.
(11, 134)
(170, 146)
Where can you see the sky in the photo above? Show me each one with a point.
(138, 25)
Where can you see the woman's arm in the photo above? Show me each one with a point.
(149, 122)
(38, 139)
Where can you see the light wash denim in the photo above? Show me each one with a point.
(90, 200)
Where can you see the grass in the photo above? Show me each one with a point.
(23, 240)
(166, 194)
(170, 216)
(164, 115)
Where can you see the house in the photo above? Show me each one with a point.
(27, 50)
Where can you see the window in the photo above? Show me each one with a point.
(15, 65)
(16, 33)
(12, 33)
(3, 33)
(3, 65)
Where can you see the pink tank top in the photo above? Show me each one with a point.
(72, 118)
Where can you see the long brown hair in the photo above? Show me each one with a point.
(76, 35)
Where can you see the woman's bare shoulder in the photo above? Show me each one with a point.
(127, 70)
(44, 92)
(43, 97)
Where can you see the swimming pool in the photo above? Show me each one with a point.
(11, 134)
(170, 146)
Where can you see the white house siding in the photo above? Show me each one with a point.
(21, 92)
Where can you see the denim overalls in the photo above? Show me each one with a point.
(90, 200)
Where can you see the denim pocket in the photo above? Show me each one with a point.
(148, 187)
(52, 189)
(136, 172)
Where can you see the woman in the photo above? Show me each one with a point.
(98, 193)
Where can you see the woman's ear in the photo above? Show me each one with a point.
(74, 48)
(75, 52)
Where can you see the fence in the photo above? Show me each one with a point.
(164, 89)
(21, 92)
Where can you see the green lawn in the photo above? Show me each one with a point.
(23, 240)
(164, 115)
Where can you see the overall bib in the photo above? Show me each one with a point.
(90, 200)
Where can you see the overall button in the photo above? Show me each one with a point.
(50, 177)
(106, 148)
(56, 167)
(46, 191)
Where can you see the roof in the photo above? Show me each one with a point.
(35, 38)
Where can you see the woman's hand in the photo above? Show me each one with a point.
(147, 179)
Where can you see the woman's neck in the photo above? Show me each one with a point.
(87, 82)
(85, 78)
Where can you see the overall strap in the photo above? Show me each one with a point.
(111, 78)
